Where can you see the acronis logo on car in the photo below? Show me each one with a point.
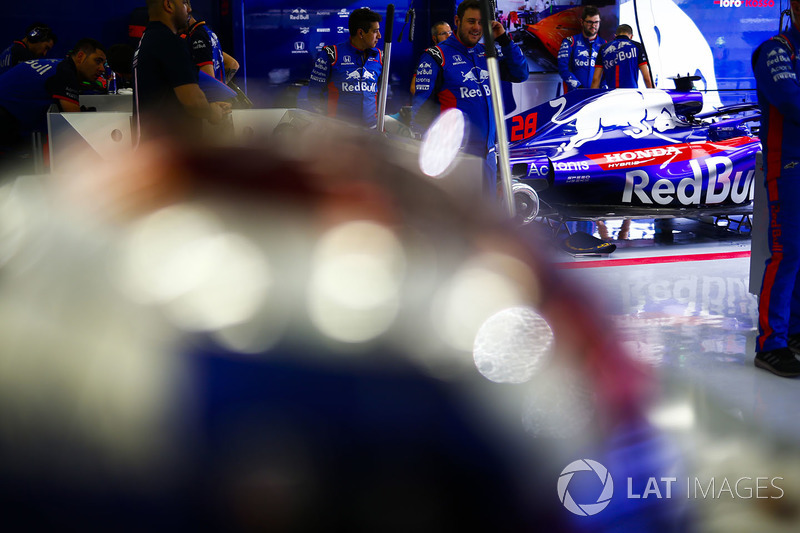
(570, 166)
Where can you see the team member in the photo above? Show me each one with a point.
(440, 31)
(28, 89)
(576, 57)
(206, 51)
(347, 74)
(619, 63)
(617, 66)
(38, 41)
(777, 76)
(167, 98)
(454, 73)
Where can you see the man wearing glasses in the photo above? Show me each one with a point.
(578, 52)
(440, 31)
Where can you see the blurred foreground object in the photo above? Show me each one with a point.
(240, 339)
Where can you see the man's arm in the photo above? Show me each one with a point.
(231, 66)
(513, 66)
(648, 82)
(643, 65)
(202, 51)
(208, 69)
(425, 78)
(68, 106)
(599, 61)
(776, 79)
(318, 81)
(598, 75)
(563, 64)
(195, 103)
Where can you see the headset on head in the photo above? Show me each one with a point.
(39, 34)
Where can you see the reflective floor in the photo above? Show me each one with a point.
(694, 320)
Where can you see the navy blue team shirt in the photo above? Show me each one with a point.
(344, 83)
(620, 60)
(14, 54)
(205, 49)
(28, 89)
(160, 64)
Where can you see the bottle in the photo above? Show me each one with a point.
(112, 83)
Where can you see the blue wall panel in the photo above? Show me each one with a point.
(281, 41)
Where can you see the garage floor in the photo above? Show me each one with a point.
(683, 306)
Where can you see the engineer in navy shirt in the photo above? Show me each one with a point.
(577, 54)
(167, 99)
(619, 63)
(29, 89)
(345, 78)
(38, 41)
(206, 51)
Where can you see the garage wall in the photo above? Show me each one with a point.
(100, 19)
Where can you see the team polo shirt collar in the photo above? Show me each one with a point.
(456, 43)
(371, 52)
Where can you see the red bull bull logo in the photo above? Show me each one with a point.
(637, 113)
(475, 74)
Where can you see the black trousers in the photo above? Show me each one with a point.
(9, 129)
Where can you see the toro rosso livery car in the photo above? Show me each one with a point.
(630, 152)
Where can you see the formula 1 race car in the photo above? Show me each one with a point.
(632, 153)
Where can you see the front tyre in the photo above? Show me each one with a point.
(526, 202)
